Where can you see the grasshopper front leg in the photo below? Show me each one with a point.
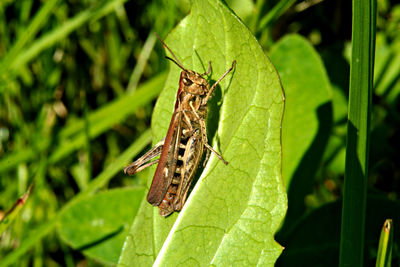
(204, 138)
(205, 142)
(143, 161)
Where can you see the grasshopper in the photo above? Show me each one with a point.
(182, 149)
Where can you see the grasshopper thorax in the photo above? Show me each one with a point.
(193, 83)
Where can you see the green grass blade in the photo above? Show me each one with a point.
(73, 136)
(29, 33)
(141, 63)
(62, 31)
(275, 13)
(356, 170)
(13, 212)
(384, 257)
(117, 166)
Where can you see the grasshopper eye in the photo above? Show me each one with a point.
(187, 82)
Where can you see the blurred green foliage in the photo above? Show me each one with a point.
(66, 66)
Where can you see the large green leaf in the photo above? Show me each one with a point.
(233, 211)
(98, 225)
(308, 97)
(308, 117)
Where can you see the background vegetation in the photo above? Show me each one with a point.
(78, 82)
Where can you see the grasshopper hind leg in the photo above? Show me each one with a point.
(144, 161)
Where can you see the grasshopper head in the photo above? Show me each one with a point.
(193, 83)
(190, 81)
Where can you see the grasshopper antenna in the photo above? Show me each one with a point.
(175, 59)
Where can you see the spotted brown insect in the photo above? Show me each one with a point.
(182, 149)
